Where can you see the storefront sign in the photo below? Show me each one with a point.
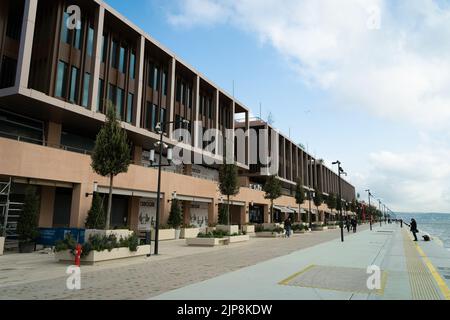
(147, 214)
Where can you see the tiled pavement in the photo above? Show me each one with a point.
(154, 276)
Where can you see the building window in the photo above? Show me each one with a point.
(61, 80)
(114, 60)
(90, 41)
(104, 48)
(178, 90)
(182, 97)
(130, 105)
(119, 103)
(122, 53)
(15, 15)
(162, 115)
(101, 90)
(164, 83)
(112, 94)
(73, 85)
(154, 117)
(65, 35)
(8, 72)
(133, 65)
(78, 38)
(86, 85)
(189, 97)
(210, 109)
(155, 85)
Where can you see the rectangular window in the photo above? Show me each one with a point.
(61, 80)
(178, 90)
(148, 116)
(112, 95)
(189, 97)
(65, 35)
(162, 115)
(122, 65)
(101, 84)
(202, 102)
(15, 16)
(164, 83)
(73, 85)
(119, 103)
(8, 74)
(90, 41)
(133, 65)
(86, 86)
(104, 48)
(206, 109)
(78, 37)
(154, 116)
(210, 109)
(114, 59)
(130, 104)
(182, 98)
(155, 79)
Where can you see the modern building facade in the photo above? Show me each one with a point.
(55, 84)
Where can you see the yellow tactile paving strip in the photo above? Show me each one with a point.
(421, 280)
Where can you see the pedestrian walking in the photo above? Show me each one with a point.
(401, 223)
(288, 227)
(348, 225)
(414, 229)
(354, 225)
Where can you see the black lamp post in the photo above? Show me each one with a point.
(341, 171)
(160, 129)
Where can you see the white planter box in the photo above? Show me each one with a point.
(119, 233)
(237, 239)
(210, 229)
(248, 229)
(319, 228)
(189, 233)
(299, 231)
(105, 255)
(272, 226)
(2, 245)
(269, 235)
(206, 242)
(164, 234)
(230, 229)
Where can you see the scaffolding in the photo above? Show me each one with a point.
(10, 213)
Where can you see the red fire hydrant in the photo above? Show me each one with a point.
(78, 254)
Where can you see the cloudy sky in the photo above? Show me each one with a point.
(363, 81)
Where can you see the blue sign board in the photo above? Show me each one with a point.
(49, 236)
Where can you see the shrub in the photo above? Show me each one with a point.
(96, 218)
(175, 218)
(27, 226)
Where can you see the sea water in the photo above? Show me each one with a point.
(435, 224)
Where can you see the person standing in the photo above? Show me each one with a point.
(288, 227)
(348, 224)
(401, 223)
(354, 224)
(414, 229)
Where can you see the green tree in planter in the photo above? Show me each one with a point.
(96, 216)
(228, 184)
(27, 226)
(223, 215)
(111, 154)
(331, 202)
(299, 195)
(272, 189)
(175, 216)
(318, 199)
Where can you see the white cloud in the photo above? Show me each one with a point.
(400, 71)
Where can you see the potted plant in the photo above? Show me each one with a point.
(175, 218)
(27, 225)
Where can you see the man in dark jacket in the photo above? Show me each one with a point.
(288, 227)
(413, 228)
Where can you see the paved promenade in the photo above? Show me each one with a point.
(38, 276)
(338, 271)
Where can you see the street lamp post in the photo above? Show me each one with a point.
(370, 214)
(160, 129)
(340, 170)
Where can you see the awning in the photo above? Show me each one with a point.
(284, 209)
(128, 192)
(194, 199)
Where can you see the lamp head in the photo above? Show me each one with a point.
(158, 127)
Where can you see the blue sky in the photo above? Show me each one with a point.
(366, 86)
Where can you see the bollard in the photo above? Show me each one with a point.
(78, 254)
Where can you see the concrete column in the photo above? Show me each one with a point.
(267, 218)
(80, 204)
(137, 155)
(187, 212)
(247, 137)
(26, 43)
(283, 170)
(53, 134)
(171, 97)
(47, 207)
(216, 113)
(213, 211)
(133, 217)
(98, 27)
(140, 85)
(164, 210)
